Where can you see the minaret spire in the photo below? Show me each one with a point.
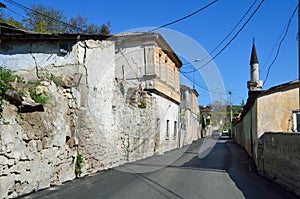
(253, 59)
(254, 84)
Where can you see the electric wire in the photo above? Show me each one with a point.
(232, 30)
(16, 13)
(228, 43)
(185, 17)
(279, 46)
(271, 52)
(201, 86)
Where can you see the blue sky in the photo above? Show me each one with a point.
(208, 28)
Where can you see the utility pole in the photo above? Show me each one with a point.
(230, 93)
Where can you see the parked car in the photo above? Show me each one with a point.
(226, 132)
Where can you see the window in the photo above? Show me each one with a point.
(166, 70)
(296, 121)
(167, 130)
(160, 65)
(174, 80)
(175, 130)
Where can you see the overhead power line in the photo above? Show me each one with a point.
(201, 86)
(41, 14)
(228, 43)
(185, 17)
(231, 31)
(16, 13)
(280, 43)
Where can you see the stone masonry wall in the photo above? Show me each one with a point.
(281, 159)
(134, 112)
(36, 148)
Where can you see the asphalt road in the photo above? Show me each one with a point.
(226, 172)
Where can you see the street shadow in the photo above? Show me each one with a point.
(229, 157)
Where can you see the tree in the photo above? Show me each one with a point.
(77, 24)
(11, 21)
(45, 19)
(83, 26)
(105, 28)
(49, 20)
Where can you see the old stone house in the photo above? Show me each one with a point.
(146, 64)
(267, 129)
(94, 108)
(189, 115)
(76, 72)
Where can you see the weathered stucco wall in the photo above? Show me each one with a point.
(167, 116)
(95, 128)
(87, 71)
(189, 116)
(189, 126)
(275, 154)
(274, 111)
(242, 132)
(282, 159)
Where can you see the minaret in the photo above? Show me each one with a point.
(254, 84)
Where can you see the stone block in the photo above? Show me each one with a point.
(39, 145)
(6, 185)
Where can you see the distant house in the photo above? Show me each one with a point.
(146, 63)
(189, 115)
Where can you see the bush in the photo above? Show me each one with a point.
(78, 165)
(38, 98)
(5, 77)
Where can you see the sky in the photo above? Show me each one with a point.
(207, 28)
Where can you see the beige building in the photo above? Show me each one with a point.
(147, 57)
(189, 115)
(147, 64)
(269, 129)
(267, 111)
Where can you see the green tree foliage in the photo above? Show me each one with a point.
(5, 77)
(44, 19)
(82, 25)
(10, 20)
(49, 20)
(105, 28)
(77, 23)
(78, 165)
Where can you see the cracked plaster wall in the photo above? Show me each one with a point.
(90, 115)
